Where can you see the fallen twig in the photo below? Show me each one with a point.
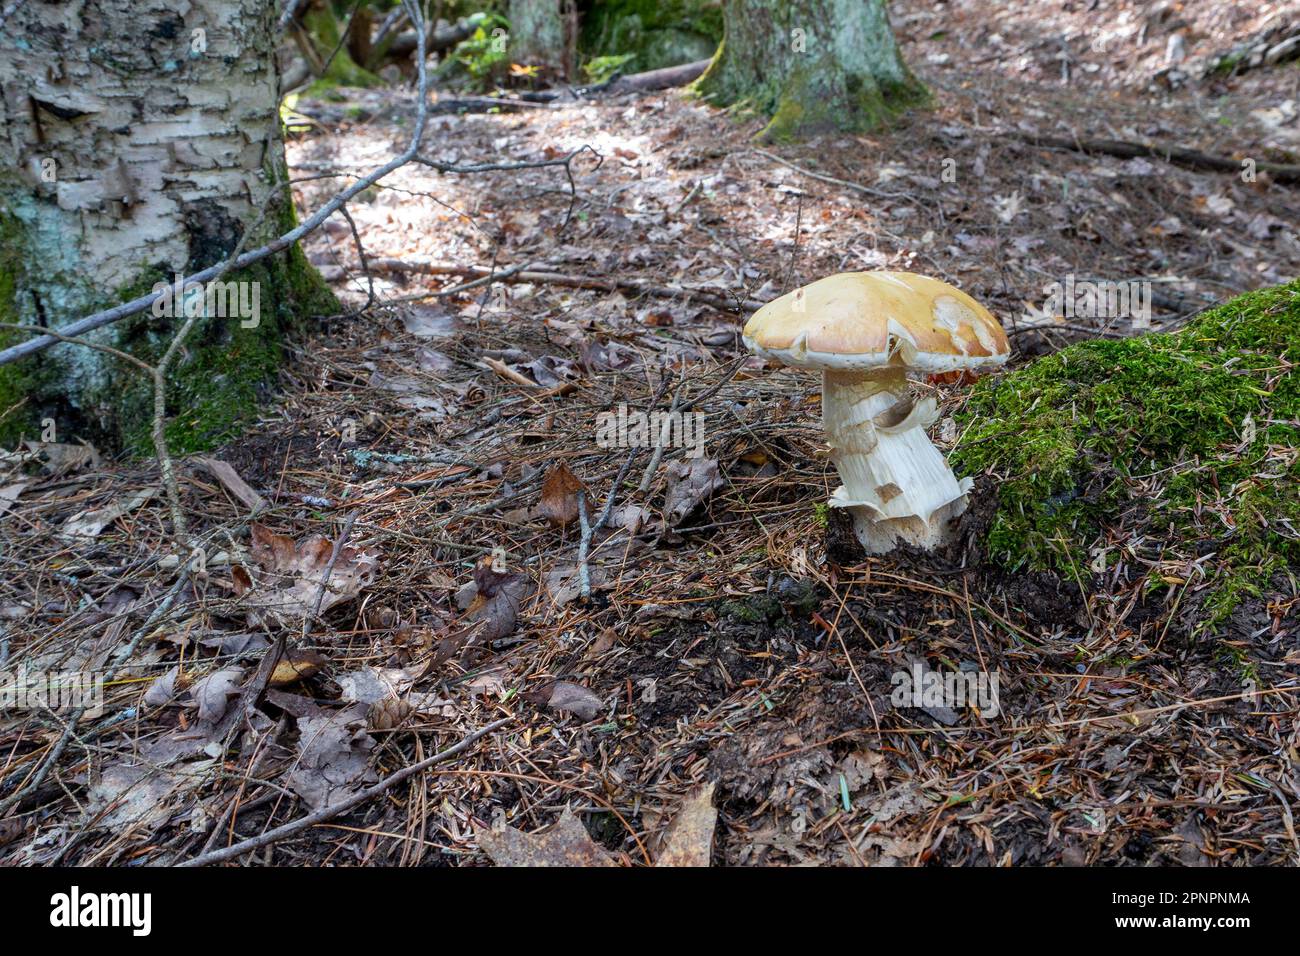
(1174, 155)
(822, 177)
(329, 568)
(328, 813)
(613, 491)
(716, 298)
(584, 546)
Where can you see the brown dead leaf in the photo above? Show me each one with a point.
(86, 525)
(655, 317)
(689, 840)
(884, 850)
(574, 699)
(212, 694)
(162, 690)
(690, 482)
(496, 603)
(294, 666)
(553, 373)
(442, 581)
(632, 517)
(370, 685)
(603, 642)
(863, 767)
(900, 801)
(333, 756)
(62, 458)
(11, 830)
(565, 844)
(130, 795)
(286, 589)
(9, 494)
(597, 356)
(559, 503)
(488, 682)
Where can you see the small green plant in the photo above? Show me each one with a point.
(601, 68)
(483, 56)
(822, 514)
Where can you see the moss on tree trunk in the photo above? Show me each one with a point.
(813, 66)
(325, 33)
(99, 202)
(652, 33)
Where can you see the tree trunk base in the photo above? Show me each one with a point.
(228, 368)
(812, 66)
(144, 144)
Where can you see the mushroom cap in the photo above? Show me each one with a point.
(868, 320)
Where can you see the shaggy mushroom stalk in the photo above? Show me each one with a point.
(897, 485)
(865, 331)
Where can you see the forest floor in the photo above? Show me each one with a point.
(723, 660)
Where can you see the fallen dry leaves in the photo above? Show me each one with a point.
(688, 840)
(568, 697)
(496, 603)
(690, 482)
(565, 844)
(290, 581)
(559, 504)
(333, 750)
(87, 525)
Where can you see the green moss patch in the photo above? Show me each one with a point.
(228, 369)
(803, 67)
(14, 386)
(804, 108)
(1182, 448)
(651, 33)
(323, 27)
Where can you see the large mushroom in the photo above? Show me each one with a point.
(866, 331)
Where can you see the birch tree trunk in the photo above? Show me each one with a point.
(141, 139)
(813, 66)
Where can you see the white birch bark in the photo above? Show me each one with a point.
(139, 139)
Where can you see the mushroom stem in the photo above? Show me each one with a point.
(896, 485)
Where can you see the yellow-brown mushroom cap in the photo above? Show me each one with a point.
(872, 319)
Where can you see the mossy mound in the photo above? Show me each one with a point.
(1182, 450)
(229, 368)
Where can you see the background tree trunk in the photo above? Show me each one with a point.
(337, 54)
(359, 36)
(813, 66)
(542, 34)
(140, 142)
